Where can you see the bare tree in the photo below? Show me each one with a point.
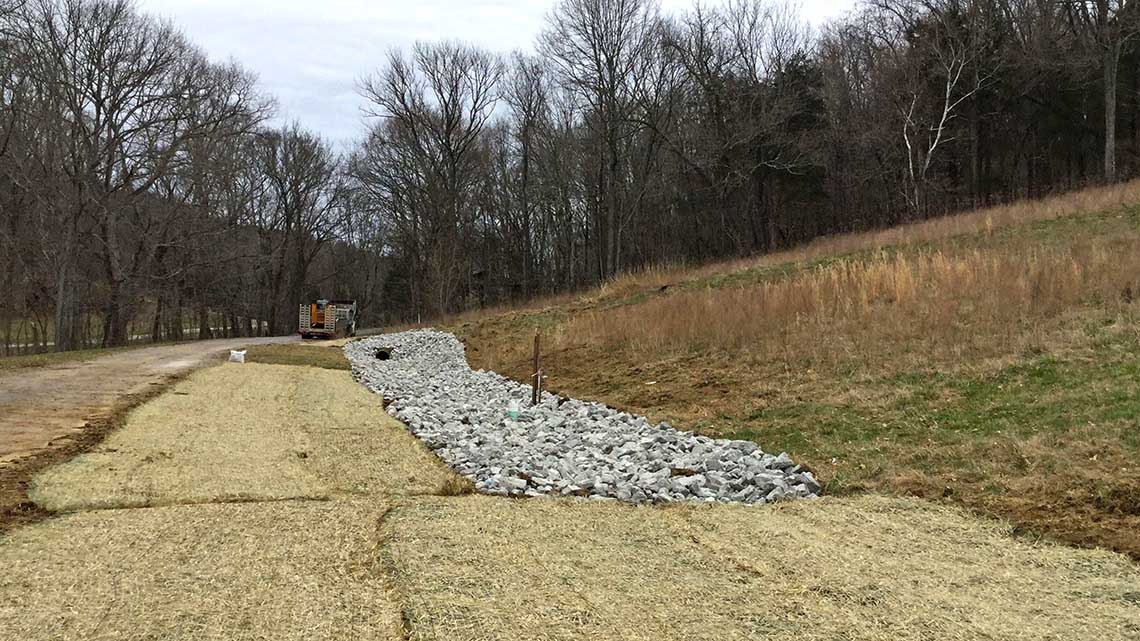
(934, 48)
(433, 109)
(133, 94)
(1110, 25)
(304, 175)
(600, 50)
(526, 94)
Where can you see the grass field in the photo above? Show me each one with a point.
(284, 570)
(990, 359)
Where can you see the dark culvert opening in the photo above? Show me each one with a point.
(383, 353)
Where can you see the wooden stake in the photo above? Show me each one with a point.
(535, 387)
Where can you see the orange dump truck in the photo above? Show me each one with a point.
(328, 319)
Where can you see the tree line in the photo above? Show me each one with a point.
(144, 190)
(143, 193)
(629, 137)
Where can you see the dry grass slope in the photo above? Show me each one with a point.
(863, 568)
(988, 221)
(887, 313)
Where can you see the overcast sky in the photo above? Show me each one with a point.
(310, 53)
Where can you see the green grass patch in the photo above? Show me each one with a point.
(1039, 394)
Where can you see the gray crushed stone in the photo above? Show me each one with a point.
(561, 446)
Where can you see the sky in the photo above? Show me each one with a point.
(311, 54)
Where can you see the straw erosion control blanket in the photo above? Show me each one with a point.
(855, 569)
(252, 495)
(561, 446)
(247, 432)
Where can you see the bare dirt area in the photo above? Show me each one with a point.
(54, 412)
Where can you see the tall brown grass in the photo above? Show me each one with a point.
(902, 308)
(973, 222)
(1023, 212)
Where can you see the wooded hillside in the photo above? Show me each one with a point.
(145, 190)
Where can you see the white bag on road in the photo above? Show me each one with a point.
(237, 355)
